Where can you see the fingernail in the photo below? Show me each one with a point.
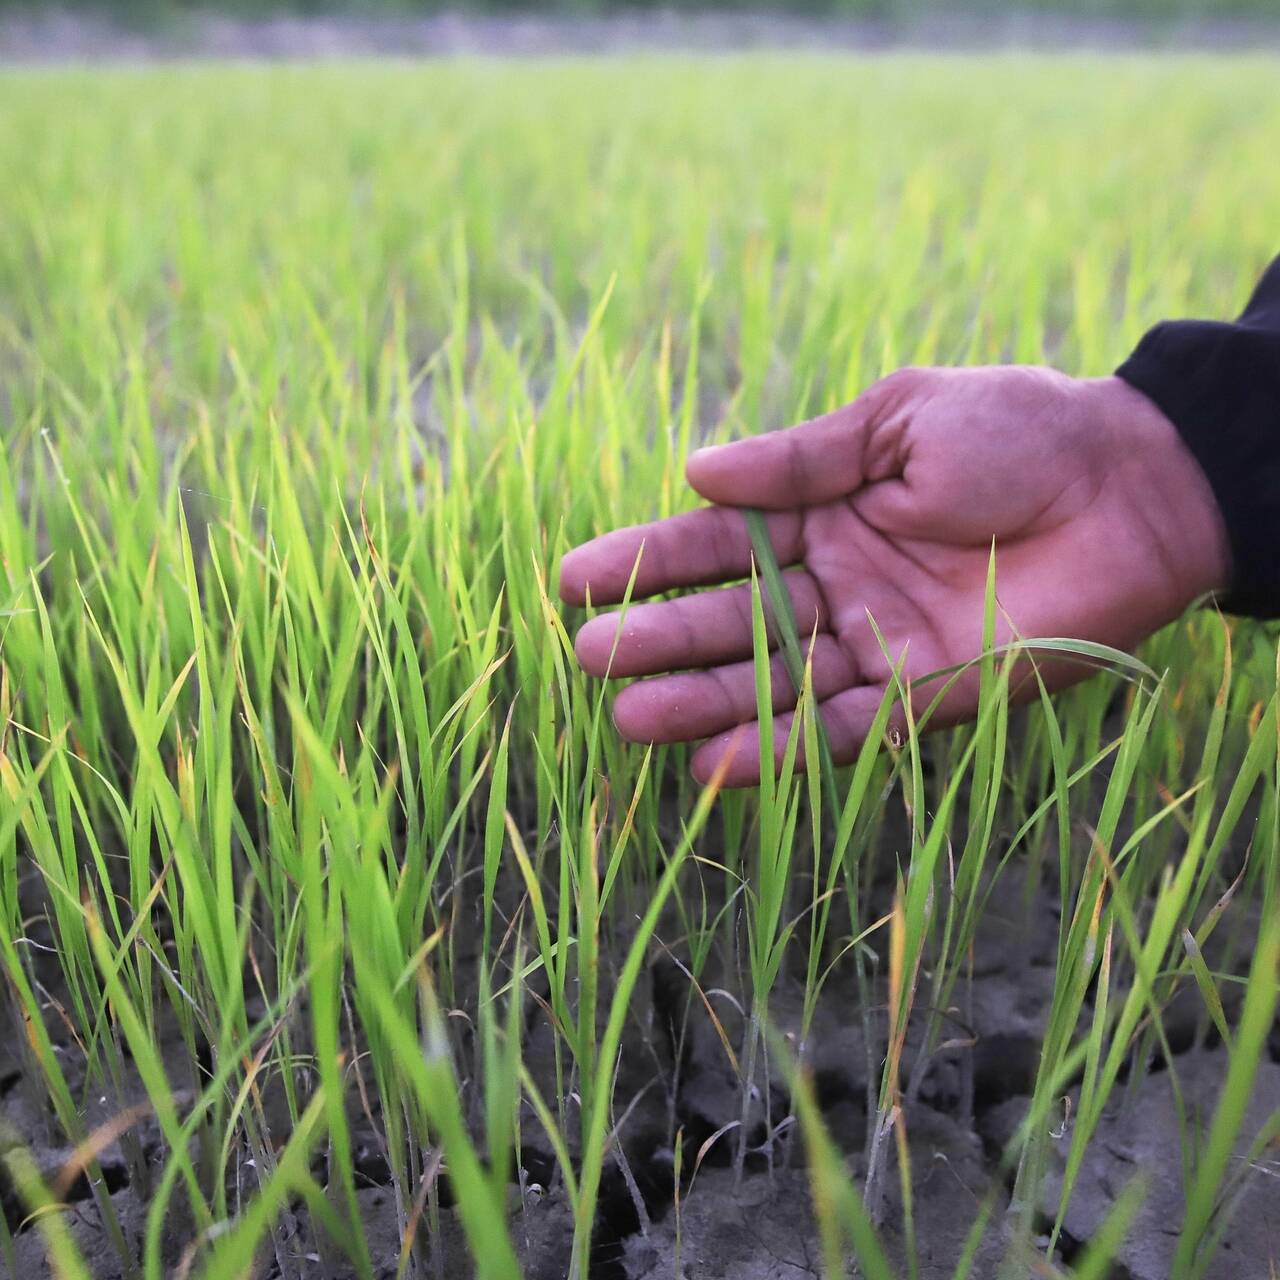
(706, 451)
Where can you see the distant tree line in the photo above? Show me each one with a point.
(152, 10)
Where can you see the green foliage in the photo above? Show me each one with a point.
(310, 824)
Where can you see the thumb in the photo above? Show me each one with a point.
(818, 461)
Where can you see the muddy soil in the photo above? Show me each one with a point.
(964, 1106)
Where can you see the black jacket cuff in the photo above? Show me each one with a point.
(1219, 384)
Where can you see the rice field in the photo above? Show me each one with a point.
(342, 936)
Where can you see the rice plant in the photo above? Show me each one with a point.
(343, 936)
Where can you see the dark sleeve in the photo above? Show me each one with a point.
(1219, 384)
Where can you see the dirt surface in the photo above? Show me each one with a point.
(964, 1106)
(58, 36)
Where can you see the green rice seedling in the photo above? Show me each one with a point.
(819, 765)
(328, 894)
(595, 1134)
(1257, 1016)
(768, 889)
(42, 1209)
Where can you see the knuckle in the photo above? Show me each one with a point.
(902, 382)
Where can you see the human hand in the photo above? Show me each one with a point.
(1104, 525)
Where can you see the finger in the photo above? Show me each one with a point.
(816, 462)
(698, 704)
(847, 718)
(690, 550)
(695, 631)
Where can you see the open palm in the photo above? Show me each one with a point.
(1104, 528)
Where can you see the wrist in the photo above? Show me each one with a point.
(1171, 490)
